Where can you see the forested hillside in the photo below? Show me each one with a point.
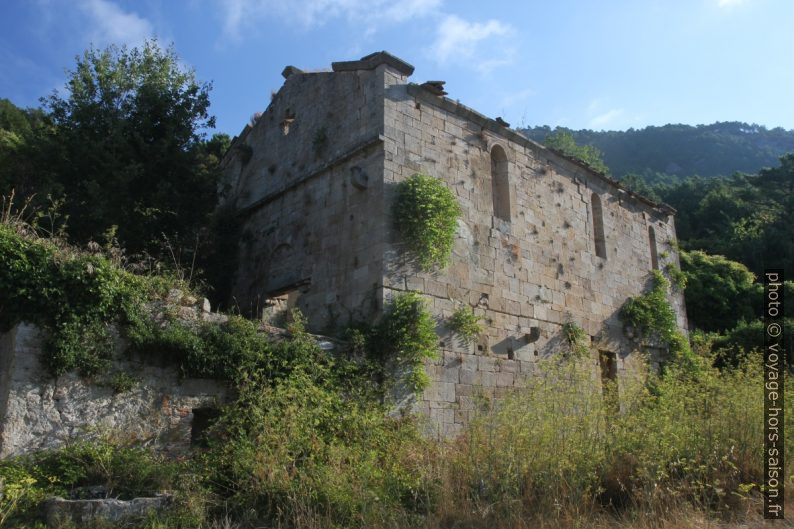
(684, 150)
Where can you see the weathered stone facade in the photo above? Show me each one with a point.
(40, 412)
(543, 239)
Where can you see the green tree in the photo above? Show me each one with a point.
(22, 135)
(129, 150)
(719, 293)
(563, 141)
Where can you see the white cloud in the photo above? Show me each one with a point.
(239, 15)
(110, 24)
(605, 119)
(730, 3)
(461, 41)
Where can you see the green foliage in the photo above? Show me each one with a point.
(674, 151)
(564, 142)
(121, 146)
(745, 342)
(405, 337)
(425, 214)
(299, 452)
(677, 278)
(746, 218)
(228, 351)
(122, 382)
(577, 338)
(124, 470)
(73, 296)
(719, 291)
(652, 316)
(465, 323)
(19, 493)
(300, 449)
(22, 134)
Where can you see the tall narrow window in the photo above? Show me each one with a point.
(500, 184)
(598, 227)
(652, 241)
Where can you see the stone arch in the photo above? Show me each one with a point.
(652, 242)
(500, 183)
(598, 226)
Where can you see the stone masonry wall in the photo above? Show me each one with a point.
(527, 276)
(312, 210)
(38, 412)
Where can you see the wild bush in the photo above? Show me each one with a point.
(653, 317)
(425, 213)
(405, 338)
(465, 323)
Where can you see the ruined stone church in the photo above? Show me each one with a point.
(543, 239)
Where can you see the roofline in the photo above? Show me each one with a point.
(495, 127)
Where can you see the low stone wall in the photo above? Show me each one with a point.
(38, 412)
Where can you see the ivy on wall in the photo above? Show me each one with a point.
(652, 316)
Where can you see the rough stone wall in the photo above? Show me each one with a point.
(312, 210)
(38, 412)
(527, 276)
(527, 272)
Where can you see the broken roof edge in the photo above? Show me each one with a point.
(372, 61)
(495, 127)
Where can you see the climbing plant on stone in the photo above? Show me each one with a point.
(425, 214)
(653, 317)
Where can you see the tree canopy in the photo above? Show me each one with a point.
(563, 141)
(123, 148)
(678, 151)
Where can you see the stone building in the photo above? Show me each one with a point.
(543, 239)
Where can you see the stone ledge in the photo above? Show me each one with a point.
(58, 510)
(372, 61)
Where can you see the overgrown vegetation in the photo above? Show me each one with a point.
(677, 278)
(577, 339)
(405, 338)
(425, 213)
(74, 296)
(564, 142)
(653, 318)
(465, 323)
(300, 453)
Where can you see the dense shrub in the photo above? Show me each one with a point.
(653, 317)
(405, 338)
(425, 214)
(72, 295)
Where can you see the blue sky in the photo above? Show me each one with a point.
(603, 64)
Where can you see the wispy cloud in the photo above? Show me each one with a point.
(605, 119)
(480, 44)
(240, 15)
(730, 3)
(108, 23)
(601, 115)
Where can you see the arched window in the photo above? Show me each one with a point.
(598, 227)
(500, 183)
(652, 241)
